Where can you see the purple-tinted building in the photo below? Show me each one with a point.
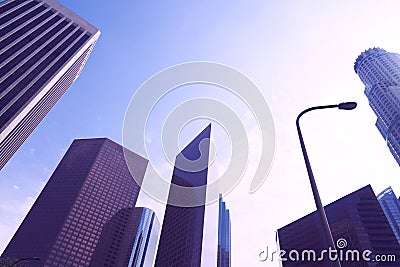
(129, 238)
(358, 224)
(391, 207)
(90, 190)
(379, 71)
(182, 229)
(43, 49)
(224, 235)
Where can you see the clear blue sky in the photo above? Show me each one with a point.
(299, 53)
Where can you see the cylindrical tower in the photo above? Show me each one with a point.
(380, 72)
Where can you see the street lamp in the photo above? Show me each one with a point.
(318, 203)
(26, 259)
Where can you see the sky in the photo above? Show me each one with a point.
(298, 53)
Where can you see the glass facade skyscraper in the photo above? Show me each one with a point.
(43, 49)
(182, 229)
(90, 192)
(146, 238)
(357, 219)
(128, 239)
(224, 235)
(391, 207)
(380, 72)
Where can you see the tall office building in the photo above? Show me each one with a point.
(357, 220)
(43, 49)
(182, 229)
(391, 207)
(90, 188)
(380, 72)
(146, 239)
(128, 239)
(224, 235)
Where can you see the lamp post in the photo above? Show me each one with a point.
(318, 203)
(26, 259)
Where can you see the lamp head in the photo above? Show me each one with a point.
(347, 105)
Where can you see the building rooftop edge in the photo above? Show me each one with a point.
(384, 192)
(365, 54)
(72, 15)
(330, 204)
(105, 139)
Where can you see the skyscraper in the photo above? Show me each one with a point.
(89, 189)
(224, 235)
(182, 229)
(391, 207)
(380, 72)
(146, 239)
(128, 239)
(357, 220)
(43, 49)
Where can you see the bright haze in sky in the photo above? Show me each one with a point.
(299, 54)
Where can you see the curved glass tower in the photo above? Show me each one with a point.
(380, 72)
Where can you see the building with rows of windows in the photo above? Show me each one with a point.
(357, 223)
(85, 214)
(391, 207)
(43, 49)
(380, 72)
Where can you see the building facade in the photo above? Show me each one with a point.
(224, 235)
(43, 49)
(146, 239)
(89, 191)
(128, 239)
(380, 72)
(391, 207)
(182, 229)
(357, 223)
